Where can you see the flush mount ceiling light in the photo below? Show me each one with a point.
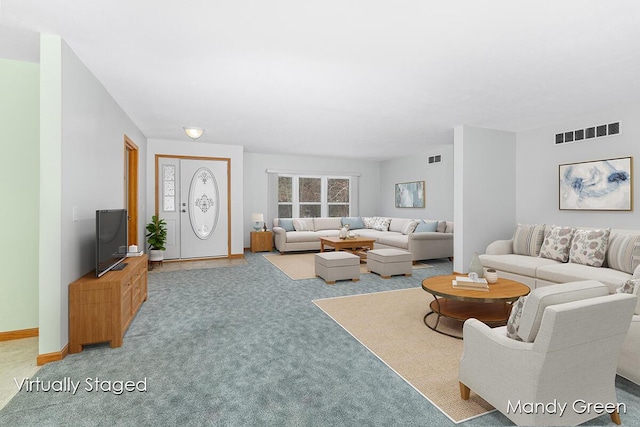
(193, 132)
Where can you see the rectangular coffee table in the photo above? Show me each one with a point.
(357, 245)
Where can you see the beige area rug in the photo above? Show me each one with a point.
(390, 324)
(302, 266)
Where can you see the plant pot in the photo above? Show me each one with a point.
(156, 255)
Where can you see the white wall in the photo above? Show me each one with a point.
(256, 185)
(19, 186)
(438, 179)
(537, 164)
(202, 149)
(485, 190)
(82, 166)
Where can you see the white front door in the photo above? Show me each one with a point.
(193, 200)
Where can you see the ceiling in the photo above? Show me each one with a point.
(367, 79)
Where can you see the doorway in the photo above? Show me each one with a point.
(131, 189)
(193, 198)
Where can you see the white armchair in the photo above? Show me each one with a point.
(569, 363)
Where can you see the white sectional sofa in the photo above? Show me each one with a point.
(303, 234)
(528, 257)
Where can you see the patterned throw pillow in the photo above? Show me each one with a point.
(368, 221)
(631, 286)
(556, 243)
(514, 319)
(527, 239)
(589, 247)
(381, 224)
(623, 252)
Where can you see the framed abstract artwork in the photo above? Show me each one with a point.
(599, 185)
(410, 194)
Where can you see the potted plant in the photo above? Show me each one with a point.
(156, 237)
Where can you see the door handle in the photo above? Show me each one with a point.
(184, 210)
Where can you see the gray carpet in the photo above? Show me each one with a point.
(245, 345)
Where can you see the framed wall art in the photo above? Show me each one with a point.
(410, 194)
(599, 185)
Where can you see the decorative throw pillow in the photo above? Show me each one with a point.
(381, 224)
(354, 222)
(589, 247)
(623, 252)
(302, 225)
(527, 239)
(409, 227)
(631, 286)
(442, 226)
(557, 243)
(426, 226)
(636, 273)
(368, 221)
(287, 224)
(514, 319)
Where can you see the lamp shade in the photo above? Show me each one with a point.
(193, 132)
(257, 217)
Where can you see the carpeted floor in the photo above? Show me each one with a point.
(390, 324)
(243, 346)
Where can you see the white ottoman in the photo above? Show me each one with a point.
(338, 265)
(389, 262)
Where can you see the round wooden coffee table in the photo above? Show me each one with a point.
(491, 307)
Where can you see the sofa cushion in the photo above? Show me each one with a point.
(623, 252)
(287, 224)
(448, 227)
(631, 286)
(327, 224)
(370, 233)
(410, 227)
(589, 247)
(368, 221)
(442, 226)
(397, 240)
(570, 272)
(541, 298)
(513, 324)
(518, 264)
(381, 224)
(302, 236)
(527, 239)
(302, 224)
(426, 226)
(557, 243)
(354, 222)
(397, 224)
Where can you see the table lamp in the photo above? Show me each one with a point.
(257, 219)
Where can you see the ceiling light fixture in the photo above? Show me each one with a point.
(193, 132)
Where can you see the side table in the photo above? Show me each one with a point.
(261, 241)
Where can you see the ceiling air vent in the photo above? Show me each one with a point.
(435, 159)
(590, 132)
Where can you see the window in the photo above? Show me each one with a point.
(313, 196)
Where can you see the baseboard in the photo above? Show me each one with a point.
(56, 356)
(236, 256)
(19, 334)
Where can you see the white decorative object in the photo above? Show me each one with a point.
(491, 275)
(344, 231)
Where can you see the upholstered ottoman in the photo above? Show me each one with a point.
(389, 262)
(338, 265)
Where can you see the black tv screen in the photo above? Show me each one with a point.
(111, 239)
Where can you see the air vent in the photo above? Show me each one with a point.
(435, 159)
(590, 132)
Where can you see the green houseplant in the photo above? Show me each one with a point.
(156, 237)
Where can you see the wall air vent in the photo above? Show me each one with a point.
(587, 133)
(435, 159)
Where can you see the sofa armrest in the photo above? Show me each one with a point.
(278, 230)
(279, 238)
(500, 247)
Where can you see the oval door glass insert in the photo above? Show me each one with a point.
(203, 203)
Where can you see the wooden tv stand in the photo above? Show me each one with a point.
(102, 308)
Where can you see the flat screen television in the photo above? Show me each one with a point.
(111, 240)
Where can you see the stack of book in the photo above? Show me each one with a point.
(461, 282)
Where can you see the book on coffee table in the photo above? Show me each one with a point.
(467, 283)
